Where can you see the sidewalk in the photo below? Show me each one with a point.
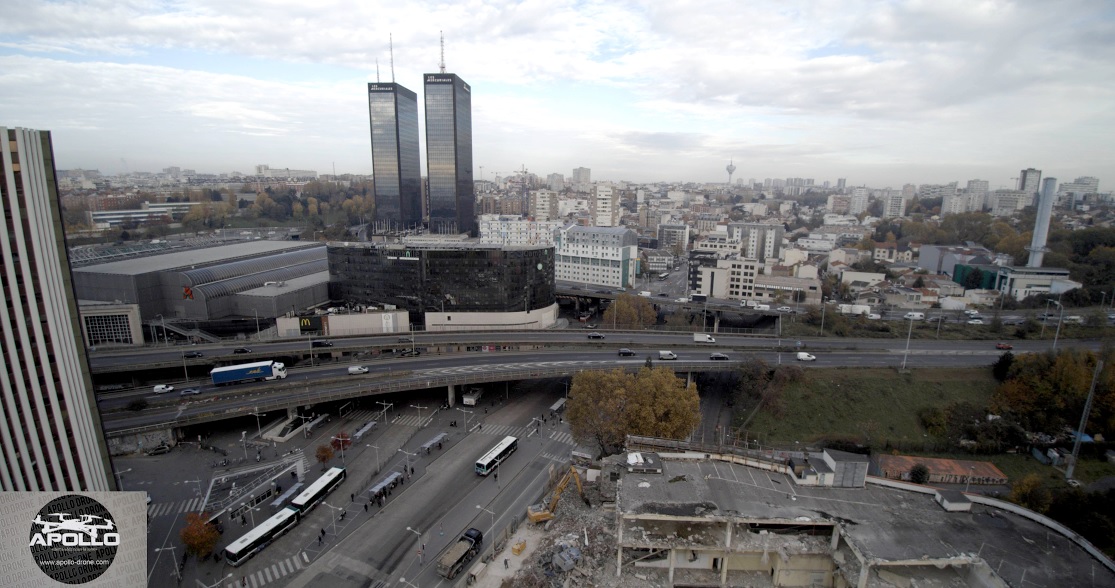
(495, 574)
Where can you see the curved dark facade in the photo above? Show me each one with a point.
(462, 278)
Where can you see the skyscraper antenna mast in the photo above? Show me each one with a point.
(377, 70)
(391, 47)
(442, 64)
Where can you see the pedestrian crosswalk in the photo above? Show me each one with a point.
(271, 573)
(174, 508)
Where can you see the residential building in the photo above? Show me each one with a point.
(555, 182)
(582, 179)
(1029, 181)
(731, 279)
(894, 205)
(762, 241)
(1081, 185)
(977, 192)
(516, 231)
(449, 154)
(52, 434)
(608, 256)
(605, 206)
(673, 237)
(1008, 202)
(858, 201)
(266, 171)
(544, 205)
(395, 156)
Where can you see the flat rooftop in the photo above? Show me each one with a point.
(882, 523)
(201, 256)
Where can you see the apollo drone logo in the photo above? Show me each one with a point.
(73, 539)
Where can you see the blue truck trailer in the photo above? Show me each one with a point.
(248, 372)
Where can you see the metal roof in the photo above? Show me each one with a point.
(179, 260)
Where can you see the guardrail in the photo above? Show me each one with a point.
(409, 381)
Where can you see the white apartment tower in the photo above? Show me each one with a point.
(582, 179)
(757, 240)
(509, 230)
(605, 206)
(894, 205)
(608, 256)
(1029, 180)
(858, 201)
(544, 205)
(50, 436)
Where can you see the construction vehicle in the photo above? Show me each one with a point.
(542, 512)
(460, 553)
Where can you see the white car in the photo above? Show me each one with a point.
(785, 309)
(874, 317)
(163, 388)
(975, 321)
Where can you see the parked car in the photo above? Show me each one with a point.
(321, 344)
(242, 350)
(596, 335)
(193, 354)
(625, 352)
(159, 449)
(162, 388)
(718, 357)
(1004, 346)
(189, 392)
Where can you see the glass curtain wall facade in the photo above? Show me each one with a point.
(477, 278)
(449, 154)
(50, 434)
(396, 163)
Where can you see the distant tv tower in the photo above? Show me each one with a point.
(731, 170)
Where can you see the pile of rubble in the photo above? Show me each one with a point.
(577, 550)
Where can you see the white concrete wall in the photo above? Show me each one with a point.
(542, 318)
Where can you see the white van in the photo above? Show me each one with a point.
(645, 293)
(162, 388)
(357, 369)
(803, 356)
(914, 316)
(667, 355)
(762, 307)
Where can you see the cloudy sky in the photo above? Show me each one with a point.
(881, 93)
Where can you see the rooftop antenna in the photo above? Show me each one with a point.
(377, 70)
(442, 64)
(391, 46)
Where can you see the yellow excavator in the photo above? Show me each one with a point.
(542, 512)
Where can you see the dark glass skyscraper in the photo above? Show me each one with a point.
(396, 163)
(449, 154)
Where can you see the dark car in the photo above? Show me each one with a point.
(663, 294)
(194, 354)
(321, 344)
(404, 339)
(159, 449)
(1004, 346)
(625, 352)
(241, 350)
(410, 353)
(718, 357)
(596, 335)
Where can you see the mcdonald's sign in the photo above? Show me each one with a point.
(309, 324)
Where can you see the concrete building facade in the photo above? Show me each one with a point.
(607, 256)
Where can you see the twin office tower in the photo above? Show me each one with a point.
(395, 155)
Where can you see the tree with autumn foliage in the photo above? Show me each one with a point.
(630, 312)
(1045, 392)
(324, 454)
(199, 536)
(606, 406)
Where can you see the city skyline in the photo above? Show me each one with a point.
(881, 95)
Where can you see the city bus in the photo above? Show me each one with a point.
(316, 492)
(662, 276)
(496, 455)
(254, 541)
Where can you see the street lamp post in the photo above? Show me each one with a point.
(823, 306)
(341, 443)
(198, 482)
(173, 560)
(331, 509)
(1060, 319)
(259, 429)
(250, 513)
(185, 372)
(419, 407)
(409, 455)
(1045, 318)
(421, 544)
(256, 315)
(468, 414)
(376, 447)
(493, 527)
(971, 470)
(244, 443)
(120, 478)
(908, 334)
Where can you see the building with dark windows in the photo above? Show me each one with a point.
(395, 156)
(449, 154)
(449, 286)
(51, 428)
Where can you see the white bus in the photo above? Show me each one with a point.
(254, 541)
(662, 276)
(308, 499)
(496, 455)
